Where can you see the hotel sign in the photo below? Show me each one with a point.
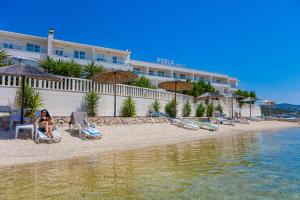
(164, 61)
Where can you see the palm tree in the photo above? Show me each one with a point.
(3, 58)
(47, 63)
(92, 69)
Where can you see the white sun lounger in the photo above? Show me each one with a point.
(80, 122)
(42, 136)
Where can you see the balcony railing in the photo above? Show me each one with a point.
(90, 57)
(139, 72)
(159, 75)
(22, 48)
(183, 77)
(84, 85)
(219, 83)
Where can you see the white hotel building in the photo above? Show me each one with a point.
(34, 48)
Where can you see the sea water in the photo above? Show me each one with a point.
(246, 166)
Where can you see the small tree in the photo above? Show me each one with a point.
(200, 110)
(128, 109)
(210, 110)
(91, 100)
(3, 58)
(156, 105)
(47, 64)
(32, 100)
(187, 109)
(219, 108)
(92, 69)
(253, 94)
(170, 108)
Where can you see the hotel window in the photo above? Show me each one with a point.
(79, 54)
(33, 48)
(151, 72)
(182, 76)
(137, 70)
(59, 52)
(8, 45)
(161, 73)
(82, 55)
(115, 59)
(100, 57)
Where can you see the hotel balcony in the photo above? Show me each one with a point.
(20, 51)
(87, 58)
(139, 72)
(183, 78)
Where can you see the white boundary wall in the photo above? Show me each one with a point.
(68, 96)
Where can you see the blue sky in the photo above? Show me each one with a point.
(257, 41)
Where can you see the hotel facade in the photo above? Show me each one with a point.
(34, 48)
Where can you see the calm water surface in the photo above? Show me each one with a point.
(253, 166)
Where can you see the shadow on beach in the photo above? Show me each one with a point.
(10, 135)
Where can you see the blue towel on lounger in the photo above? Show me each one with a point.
(92, 131)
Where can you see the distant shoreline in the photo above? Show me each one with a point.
(119, 138)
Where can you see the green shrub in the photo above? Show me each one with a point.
(245, 93)
(32, 100)
(91, 100)
(156, 106)
(170, 108)
(253, 94)
(210, 110)
(74, 69)
(128, 108)
(62, 68)
(200, 110)
(142, 82)
(200, 87)
(5, 59)
(187, 109)
(91, 69)
(219, 108)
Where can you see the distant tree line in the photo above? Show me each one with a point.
(246, 94)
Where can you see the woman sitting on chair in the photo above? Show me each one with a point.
(45, 123)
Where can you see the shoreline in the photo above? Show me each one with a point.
(120, 138)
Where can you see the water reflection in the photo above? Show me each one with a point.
(217, 168)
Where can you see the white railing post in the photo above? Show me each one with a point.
(65, 84)
(29, 81)
(8, 80)
(14, 81)
(3, 80)
(73, 84)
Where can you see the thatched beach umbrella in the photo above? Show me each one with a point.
(26, 71)
(115, 77)
(176, 86)
(233, 96)
(249, 100)
(209, 96)
(269, 103)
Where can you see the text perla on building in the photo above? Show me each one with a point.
(35, 48)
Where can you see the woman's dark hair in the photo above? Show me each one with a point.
(47, 113)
